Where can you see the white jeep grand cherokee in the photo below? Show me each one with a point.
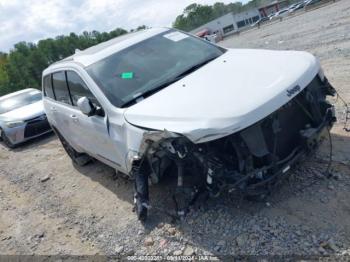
(161, 102)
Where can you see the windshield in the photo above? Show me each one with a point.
(136, 70)
(20, 100)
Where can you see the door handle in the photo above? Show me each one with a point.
(75, 118)
(53, 109)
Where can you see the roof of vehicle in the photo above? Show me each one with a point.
(19, 92)
(102, 50)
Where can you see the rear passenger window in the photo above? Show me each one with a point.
(78, 88)
(48, 87)
(60, 87)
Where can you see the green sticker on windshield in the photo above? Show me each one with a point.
(127, 75)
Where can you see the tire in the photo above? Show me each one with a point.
(141, 211)
(80, 159)
(7, 142)
(141, 196)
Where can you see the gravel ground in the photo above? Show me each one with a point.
(50, 207)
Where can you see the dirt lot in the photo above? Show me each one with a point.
(48, 206)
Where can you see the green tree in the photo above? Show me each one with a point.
(19, 68)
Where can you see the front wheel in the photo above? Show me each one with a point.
(140, 209)
(141, 195)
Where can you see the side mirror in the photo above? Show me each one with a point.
(85, 106)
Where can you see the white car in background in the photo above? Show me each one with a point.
(296, 7)
(22, 117)
(160, 103)
(312, 2)
(213, 38)
(280, 14)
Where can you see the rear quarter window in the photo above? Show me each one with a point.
(60, 87)
(48, 91)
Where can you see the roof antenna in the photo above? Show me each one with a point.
(77, 51)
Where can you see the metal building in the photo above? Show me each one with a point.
(229, 23)
(232, 23)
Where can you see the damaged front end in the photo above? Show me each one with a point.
(250, 161)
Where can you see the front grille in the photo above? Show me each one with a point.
(303, 111)
(36, 126)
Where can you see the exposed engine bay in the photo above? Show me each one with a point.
(250, 161)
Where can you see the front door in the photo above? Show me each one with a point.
(88, 133)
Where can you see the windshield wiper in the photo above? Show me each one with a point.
(149, 92)
(167, 83)
(195, 67)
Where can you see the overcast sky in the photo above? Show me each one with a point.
(32, 20)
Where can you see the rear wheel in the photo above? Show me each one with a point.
(80, 159)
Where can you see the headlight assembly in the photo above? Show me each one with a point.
(13, 124)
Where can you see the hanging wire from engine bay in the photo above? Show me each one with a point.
(347, 113)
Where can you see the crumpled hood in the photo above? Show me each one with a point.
(24, 113)
(230, 93)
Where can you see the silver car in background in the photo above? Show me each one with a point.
(22, 117)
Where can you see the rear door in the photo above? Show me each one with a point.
(49, 99)
(62, 109)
